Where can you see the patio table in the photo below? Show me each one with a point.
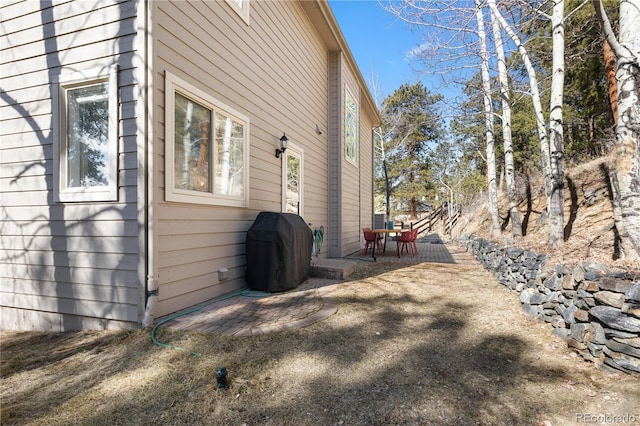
(386, 232)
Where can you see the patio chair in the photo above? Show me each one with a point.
(369, 240)
(407, 241)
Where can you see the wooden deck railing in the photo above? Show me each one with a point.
(427, 223)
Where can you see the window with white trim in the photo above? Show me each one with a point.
(242, 8)
(350, 127)
(206, 148)
(293, 180)
(87, 136)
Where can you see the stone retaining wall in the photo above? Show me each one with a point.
(595, 309)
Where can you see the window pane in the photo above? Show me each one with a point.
(229, 177)
(88, 136)
(192, 145)
(351, 128)
(293, 185)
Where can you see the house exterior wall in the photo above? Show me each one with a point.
(366, 211)
(351, 193)
(352, 202)
(336, 152)
(87, 264)
(272, 70)
(66, 266)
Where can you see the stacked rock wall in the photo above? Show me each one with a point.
(595, 309)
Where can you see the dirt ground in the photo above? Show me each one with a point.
(588, 217)
(423, 344)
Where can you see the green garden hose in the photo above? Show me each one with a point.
(318, 239)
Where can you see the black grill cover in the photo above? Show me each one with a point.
(278, 252)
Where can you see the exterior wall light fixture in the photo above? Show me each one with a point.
(284, 141)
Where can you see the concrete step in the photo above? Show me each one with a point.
(334, 269)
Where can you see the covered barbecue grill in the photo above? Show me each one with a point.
(278, 252)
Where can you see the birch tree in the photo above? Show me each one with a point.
(186, 145)
(225, 154)
(589, 108)
(556, 141)
(489, 127)
(452, 169)
(626, 180)
(551, 151)
(553, 173)
(382, 134)
(509, 166)
(457, 31)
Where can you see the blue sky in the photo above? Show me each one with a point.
(379, 42)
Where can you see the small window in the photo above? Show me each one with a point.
(242, 8)
(207, 148)
(350, 128)
(87, 137)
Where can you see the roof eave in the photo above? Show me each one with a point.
(323, 19)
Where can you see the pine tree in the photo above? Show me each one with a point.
(411, 121)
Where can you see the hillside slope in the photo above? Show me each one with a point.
(588, 217)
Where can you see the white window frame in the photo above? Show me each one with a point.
(293, 150)
(241, 7)
(74, 80)
(173, 85)
(356, 148)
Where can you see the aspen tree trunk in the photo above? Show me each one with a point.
(488, 118)
(387, 190)
(627, 176)
(556, 142)
(225, 154)
(535, 97)
(186, 147)
(509, 167)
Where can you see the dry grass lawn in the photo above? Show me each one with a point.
(424, 344)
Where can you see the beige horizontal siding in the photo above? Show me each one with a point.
(13, 129)
(103, 227)
(366, 171)
(69, 27)
(79, 243)
(274, 72)
(350, 185)
(336, 100)
(91, 260)
(54, 274)
(105, 292)
(88, 308)
(73, 263)
(18, 16)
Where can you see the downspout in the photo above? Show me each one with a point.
(151, 281)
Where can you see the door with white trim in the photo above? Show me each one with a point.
(293, 180)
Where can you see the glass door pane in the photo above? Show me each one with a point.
(292, 184)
